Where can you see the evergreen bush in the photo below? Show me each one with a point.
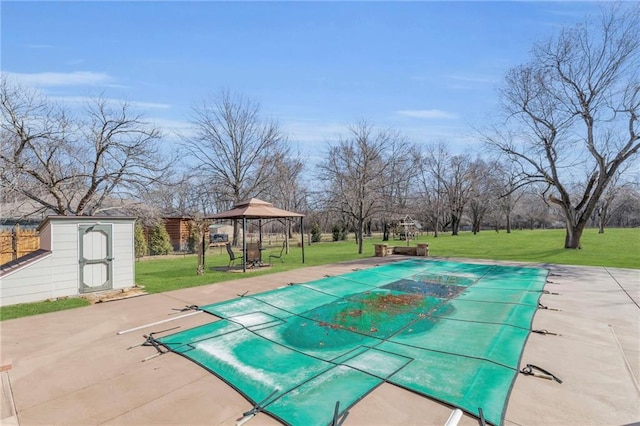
(159, 241)
(337, 232)
(316, 234)
(140, 242)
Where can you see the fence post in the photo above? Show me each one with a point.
(14, 241)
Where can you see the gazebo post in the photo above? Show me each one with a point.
(260, 239)
(244, 244)
(302, 238)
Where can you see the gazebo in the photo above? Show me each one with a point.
(257, 209)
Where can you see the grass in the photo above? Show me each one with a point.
(616, 248)
(180, 271)
(36, 308)
(619, 248)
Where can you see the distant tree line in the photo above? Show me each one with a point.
(561, 154)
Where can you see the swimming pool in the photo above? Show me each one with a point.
(450, 331)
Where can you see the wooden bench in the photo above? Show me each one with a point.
(383, 250)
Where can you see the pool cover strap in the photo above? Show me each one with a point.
(259, 406)
(187, 308)
(544, 332)
(338, 418)
(528, 371)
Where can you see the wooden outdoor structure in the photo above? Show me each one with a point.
(383, 250)
(405, 228)
(179, 230)
(17, 243)
(77, 254)
(255, 209)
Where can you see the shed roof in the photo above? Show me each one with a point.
(82, 219)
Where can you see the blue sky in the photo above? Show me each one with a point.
(428, 69)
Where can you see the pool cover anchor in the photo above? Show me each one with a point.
(151, 341)
(481, 418)
(541, 306)
(185, 309)
(338, 419)
(248, 415)
(528, 371)
(544, 332)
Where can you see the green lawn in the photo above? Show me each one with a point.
(28, 309)
(618, 248)
(615, 248)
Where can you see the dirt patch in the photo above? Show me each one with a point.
(107, 296)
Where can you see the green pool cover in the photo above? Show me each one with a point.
(450, 331)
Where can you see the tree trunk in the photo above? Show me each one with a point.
(573, 236)
(200, 245)
(455, 224)
(602, 215)
(476, 227)
(385, 231)
(508, 223)
(360, 229)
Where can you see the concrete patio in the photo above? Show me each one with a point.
(72, 367)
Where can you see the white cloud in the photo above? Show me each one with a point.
(171, 126)
(86, 99)
(56, 79)
(149, 105)
(312, 131)
(429, 114)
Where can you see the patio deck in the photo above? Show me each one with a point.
(72, 367)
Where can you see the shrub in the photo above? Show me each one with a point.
(159, 241)
(338, 232)
(316, 235)
(140, 242)
(192, 241)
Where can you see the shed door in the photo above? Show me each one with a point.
(96, 269)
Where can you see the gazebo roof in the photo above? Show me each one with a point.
(254, 209)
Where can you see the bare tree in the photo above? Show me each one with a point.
(454, 179)
(605, 207)
(74, 165)
(188, 197)
(233, 148)
(402, 157)
(625, 209)
(287, 190)
(533, 211)
(577, 102)
(507, 190)
(483, 199)
(431, 165)
(355, 170)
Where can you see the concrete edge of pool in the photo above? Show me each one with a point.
(71, 367)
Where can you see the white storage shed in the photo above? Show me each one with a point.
(78, 254)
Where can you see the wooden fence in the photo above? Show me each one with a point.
(17, 242)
